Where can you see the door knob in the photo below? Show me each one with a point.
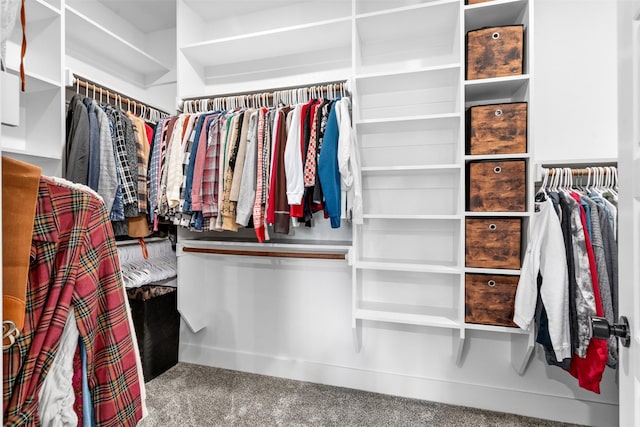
(602, 330)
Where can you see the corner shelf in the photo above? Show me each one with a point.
(116, 53)
(333, 34)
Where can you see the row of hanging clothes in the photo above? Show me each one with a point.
(268, 161)
(70, 354)
(107, 148)
(569, 272)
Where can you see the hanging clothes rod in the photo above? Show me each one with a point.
(590, 170)
(92, 88)
(272, 254)
(266, 97)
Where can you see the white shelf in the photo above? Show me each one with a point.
(36, 82)
(410, 168)
(384, 75)
(492, 328)
(31, 153)
(474, 157)
(409, 267)
(495, 13)
(430, 91)
(408, 8)
(498, 214)
(89, 40)
(501, 271)
(511, 88)
(407, 314)
(446, 119)
(282, 42)
(408, 37)
(412, 217)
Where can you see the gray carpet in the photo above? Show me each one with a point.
(192, 395)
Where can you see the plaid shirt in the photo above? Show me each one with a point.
(153, 171)
(142, 151)
(129, 185)
(210, 176)
(73, 261)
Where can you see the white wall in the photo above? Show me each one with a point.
(575, 108)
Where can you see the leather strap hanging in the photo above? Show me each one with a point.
(23, 20)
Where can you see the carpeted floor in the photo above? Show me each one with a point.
(192, 395)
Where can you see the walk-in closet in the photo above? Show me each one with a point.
(425, 199)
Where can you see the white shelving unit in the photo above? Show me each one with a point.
(39, 137)
(405, 61)
(505, 90)
(408, 105)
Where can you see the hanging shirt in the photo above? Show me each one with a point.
(545, 254)
(328, 171)
(77, 144)
(108, 181)
(589, 370)
(247, 192)
(94, 146)
(73, 261)
(153, 170)
(349, 165)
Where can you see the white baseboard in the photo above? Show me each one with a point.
(558, 408)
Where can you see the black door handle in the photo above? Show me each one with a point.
(602, 330)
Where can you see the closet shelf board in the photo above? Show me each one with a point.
(390, 74)
(498, 214)
(494, 88)
(407, 314)
(491, 328)
(434, 118)
(494, 13)
(36, 82)
(294, 40)
(85, 36)
(504, 272)
(431, 30)
(415, 267)
(412, 217)
(31, 153)
(410, 8)
(409, 168)
(470, 157)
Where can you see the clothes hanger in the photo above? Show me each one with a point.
(542, 191)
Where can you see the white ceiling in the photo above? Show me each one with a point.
(146, 15)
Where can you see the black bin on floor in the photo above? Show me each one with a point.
(157, 323)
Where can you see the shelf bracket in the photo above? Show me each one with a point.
(458, 340)
(521, 351)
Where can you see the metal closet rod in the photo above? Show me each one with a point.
(266, 253)
(93, 87)
(322, 87)
(586, 171)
